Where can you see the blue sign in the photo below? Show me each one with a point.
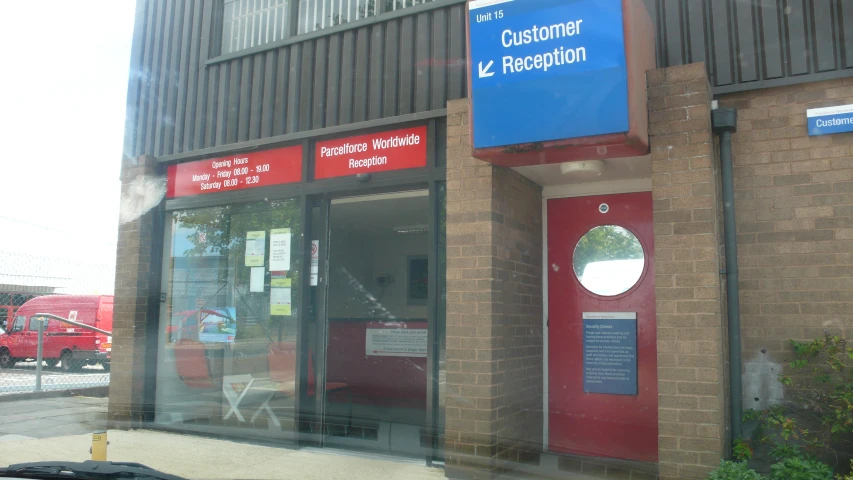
(824, 121)
(610, 353)
(546, 70)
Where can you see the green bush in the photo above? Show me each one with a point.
(794, 468)
(816, 421)
(729, 470)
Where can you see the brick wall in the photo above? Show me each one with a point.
(494, 308)
(794, 211)
(518, 322)
(136, 290)
(691, 336)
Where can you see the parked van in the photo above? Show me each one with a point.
(66, 345)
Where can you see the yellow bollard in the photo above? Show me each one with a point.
(99, 446)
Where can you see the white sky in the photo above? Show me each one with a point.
(62, 96)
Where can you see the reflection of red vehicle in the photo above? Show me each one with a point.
(189, 323)
(64, 344)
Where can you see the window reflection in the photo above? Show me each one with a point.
(608, 260)
(228, 330)
(320, 14)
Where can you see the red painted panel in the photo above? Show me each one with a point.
(618, 426)
(375, 152)
(374, 380)
(235, 172)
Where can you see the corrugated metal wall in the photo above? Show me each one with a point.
(747, 42)
(177, 103)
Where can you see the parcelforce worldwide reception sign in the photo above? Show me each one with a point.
(375, 152)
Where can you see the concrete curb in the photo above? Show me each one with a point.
(81, 392)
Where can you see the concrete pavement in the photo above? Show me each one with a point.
(59, 429)
(52, 417)
(196, 457)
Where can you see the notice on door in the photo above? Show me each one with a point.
(610, 353)
(375, 152)
(396, 342)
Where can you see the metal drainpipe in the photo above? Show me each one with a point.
(724, 123)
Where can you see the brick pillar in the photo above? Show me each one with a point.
(691, 335)
(494, 309)
(136, 290)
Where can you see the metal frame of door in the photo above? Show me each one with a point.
(319, 342)
(567, 191)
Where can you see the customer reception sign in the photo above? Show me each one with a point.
(828, 120)
(544, 70)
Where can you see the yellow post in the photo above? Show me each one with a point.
(99, 446)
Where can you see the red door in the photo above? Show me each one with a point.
(29, 339)
(613, 259)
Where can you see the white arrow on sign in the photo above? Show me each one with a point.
(484, 72)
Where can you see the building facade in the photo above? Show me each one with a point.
(317, 258)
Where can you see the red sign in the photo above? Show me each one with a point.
(235, 172)
(376, 152)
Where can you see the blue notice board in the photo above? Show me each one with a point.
(610, 352)
(825, 121)
(546, 70)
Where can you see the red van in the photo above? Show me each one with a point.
(65, 345)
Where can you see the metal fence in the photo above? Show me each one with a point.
(55, 323)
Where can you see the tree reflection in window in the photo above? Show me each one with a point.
(608, 260)
(209, 270)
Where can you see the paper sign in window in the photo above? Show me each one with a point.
(279, 301)
(256, 279)
(255, 248)
(280, 249)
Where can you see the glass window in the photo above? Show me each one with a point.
(608, 260)
(250, 23)
(20, 321)
(34, 326)
(229, 326)
(19, 299)
(320, 14)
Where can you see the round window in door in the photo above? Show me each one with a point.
(608, 260)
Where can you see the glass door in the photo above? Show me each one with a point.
(375, 324)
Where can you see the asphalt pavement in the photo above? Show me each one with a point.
(51, 417)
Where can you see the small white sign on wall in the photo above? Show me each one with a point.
(396, 342)
(315, 261)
